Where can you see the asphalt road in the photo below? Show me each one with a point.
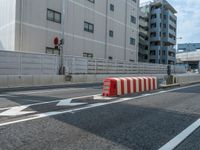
(77, 118)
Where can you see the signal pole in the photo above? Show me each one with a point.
(62, 41)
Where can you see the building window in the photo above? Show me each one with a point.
(153, 16)
(53, 16)
(50, 50)
(153, 25)
(172, 19)
(164, 35)
(88, 55)
(152, 52)
(134, 1)
(92, 1)
(132, 41)
(153, 34)
(111, 33)
(133, 19)
(88, 27)
(112, 7)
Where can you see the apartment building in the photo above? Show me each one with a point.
(162, 31)
(143, 54)
(188, 47)
(105, 29)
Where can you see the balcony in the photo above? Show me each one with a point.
(143, 42)
(156, 38)
(143, 24)
(172, 41)
(172, 50)
(153, 57)
(171, 58)
(143, 32)
(169, 49)
(142, 51)
(156, 11)
(172, 32)
(155, 48)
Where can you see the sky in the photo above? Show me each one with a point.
(188, 26)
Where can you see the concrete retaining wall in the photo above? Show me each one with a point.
(10, 81)
(188, 79)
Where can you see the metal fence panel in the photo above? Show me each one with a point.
(15, 63)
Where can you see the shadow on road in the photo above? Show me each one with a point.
(125, 125)
(117, 126)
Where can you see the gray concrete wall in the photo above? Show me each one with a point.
(11, 81)
(188, 79)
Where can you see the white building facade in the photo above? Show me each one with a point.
(105, 29)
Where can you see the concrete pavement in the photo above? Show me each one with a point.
(34, 120)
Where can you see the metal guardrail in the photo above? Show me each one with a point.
(19, 63)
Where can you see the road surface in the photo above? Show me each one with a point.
(78, 118)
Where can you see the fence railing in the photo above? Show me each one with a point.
(96, 66)
(19, 63)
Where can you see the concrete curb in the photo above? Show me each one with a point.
(170, 85)
(40, 87)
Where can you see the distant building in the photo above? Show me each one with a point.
(188, 47)
(162, 32)
(143, 54)
(189, 54)
(92, 28)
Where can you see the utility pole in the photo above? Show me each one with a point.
(106, 32)
(161, 36)
(62, 42)
(125, 38)
(21, 24)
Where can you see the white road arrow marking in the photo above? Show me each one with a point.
(68, 102)
(16, 111)
(99, 97)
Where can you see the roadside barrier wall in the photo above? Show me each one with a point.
(128, 85)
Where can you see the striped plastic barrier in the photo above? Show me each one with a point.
(128, 85)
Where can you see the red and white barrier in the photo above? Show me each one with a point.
(128, 85)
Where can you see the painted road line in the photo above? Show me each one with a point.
(1, 109)
(68, 102)
(43, 91)
(49, 102)
(172, 144)
(16, 111)
(49, 114)
(99, 97)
